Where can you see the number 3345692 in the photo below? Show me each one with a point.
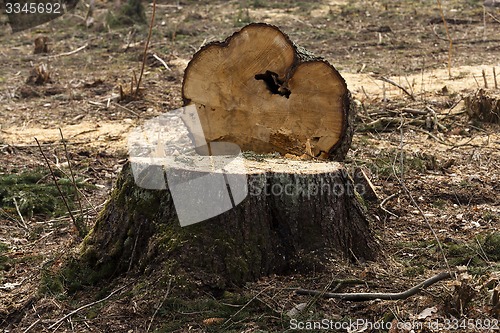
(32, 8)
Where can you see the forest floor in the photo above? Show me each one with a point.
(436, 181)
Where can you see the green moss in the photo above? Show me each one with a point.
(439, 203)
(388, 162)
(464, 254)
(51, 284)
(491, 246)
(117, 248)
(361, 200)
(35, 193)
(203, 308)
(78, 274)
(4, 260)
(237, 268)
(73, 276)
(491, 217)
(414, 271)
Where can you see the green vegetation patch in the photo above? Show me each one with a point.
(4, 260)
(35, 194)
(491, 246)
(129, 13)
(478, 253)
(230, 313)
(388, 162)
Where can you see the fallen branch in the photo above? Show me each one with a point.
(358, 297)
(70, 52)
(386, 123)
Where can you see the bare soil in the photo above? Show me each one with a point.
(441, 182)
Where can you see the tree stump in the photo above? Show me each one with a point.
(190, 200)
(484, 106)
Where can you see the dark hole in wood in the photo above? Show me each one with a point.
(274, 84)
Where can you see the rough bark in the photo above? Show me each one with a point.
(255, 215)
(297, 216)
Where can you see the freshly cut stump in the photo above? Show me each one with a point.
(245, 215)
(259, 90)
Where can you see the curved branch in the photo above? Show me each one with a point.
(371, 296)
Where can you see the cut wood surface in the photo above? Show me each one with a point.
(259, 90)
(207, 191)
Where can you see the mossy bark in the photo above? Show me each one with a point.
(317, 218)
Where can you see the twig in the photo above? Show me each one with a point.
(484, 79)
(162, 61)
(450, 47)
(414, 202)
(146, 48)
(244, 306)
(31, 326)
(24, 226)
(415, 111)
(160, 305)
(57, 184)
(133, 248)
(358, 297)
(383, 203)
(70, 52)
(495, 78)
(418, 129)
(493, 17)
(81, 193)
(81, 227)
(43, 237)
(382, 78)
(20, 146)
(85, 306)
(435, 119)
(126, 109)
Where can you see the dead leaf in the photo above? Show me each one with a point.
(427, 313)
(297, 309)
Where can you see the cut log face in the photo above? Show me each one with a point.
(260, 91)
